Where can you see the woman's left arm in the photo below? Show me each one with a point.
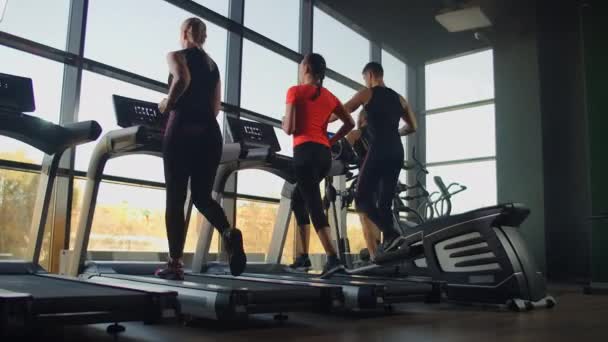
(289, 120)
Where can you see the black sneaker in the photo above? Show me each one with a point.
(174, 270)
(233, 238)
(302, 263)
(362, 263)
(332, 266)
(364, 254)
(390, 244)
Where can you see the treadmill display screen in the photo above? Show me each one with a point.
(131, 112)
(16, 93)
(253, 134)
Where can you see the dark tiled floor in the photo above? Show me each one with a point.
(577, 318)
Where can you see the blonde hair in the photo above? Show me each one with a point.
(195, 29)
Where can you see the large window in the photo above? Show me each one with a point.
(139, 36)
(47, 77)
(128, 40)
(45, 22)
(395, 73)
(219, 6)
(461, 134)
(460, 80)
(344, 94)
(265, 80)
(130, 219)
(256, 219)
(266, 76)
(17, 198)
(460, 143)
(478, 177)
(284, 25)
(96, 104)
(345, 51)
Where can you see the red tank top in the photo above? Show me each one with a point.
(312, 116)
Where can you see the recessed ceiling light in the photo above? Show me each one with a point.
(464, 19)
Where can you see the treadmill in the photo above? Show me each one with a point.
(199, 297)
(360, 293)
(29, 296)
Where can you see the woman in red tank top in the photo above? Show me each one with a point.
(309, 107)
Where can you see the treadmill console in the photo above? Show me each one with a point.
(16, 93)
(130, 112)
(252, 134)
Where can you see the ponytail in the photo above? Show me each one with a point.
(317, 66)
(319, 86)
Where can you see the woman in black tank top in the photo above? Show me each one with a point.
(379, 172)
(192, 147)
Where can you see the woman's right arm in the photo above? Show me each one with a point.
(289, 119)
(347, 123)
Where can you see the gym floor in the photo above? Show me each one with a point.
(577, 317)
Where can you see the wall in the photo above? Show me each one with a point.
(567, 193)
(519, 143)
(596, 67)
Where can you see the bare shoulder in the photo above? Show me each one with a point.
(175, 56)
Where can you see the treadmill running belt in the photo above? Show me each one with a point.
(392, 286)
(49, 287)
(237, 283)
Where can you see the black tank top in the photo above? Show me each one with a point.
(195, 106)
(384, 110)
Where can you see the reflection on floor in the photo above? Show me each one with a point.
(577, 318)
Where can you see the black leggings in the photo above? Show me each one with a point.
(312, 163)
(191, 152)
(376, 186)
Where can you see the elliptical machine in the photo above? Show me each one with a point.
(479, 255)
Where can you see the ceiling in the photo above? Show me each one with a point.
(405, 27)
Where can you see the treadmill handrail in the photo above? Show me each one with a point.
(135, 140)
(46, 136)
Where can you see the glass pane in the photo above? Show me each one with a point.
(17, 197)
(289, 251)
(266, 77)
(196, 219)
(47, 77)
(143, 51)
(345, 51)
(219, 6)
(96, 104)
(344, 94)
(354, 231)
(461, 134)
(130, 218)
(285, 141)
(259, 183)
(284, 26)
(460, 80)
(478, 177)
(44, 22)
(127, 218)
(395, 73)
(256, 220)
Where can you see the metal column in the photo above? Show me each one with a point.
(281, 225)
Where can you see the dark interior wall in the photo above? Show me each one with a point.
(565, 141)
(595, 53)
(519, 144)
